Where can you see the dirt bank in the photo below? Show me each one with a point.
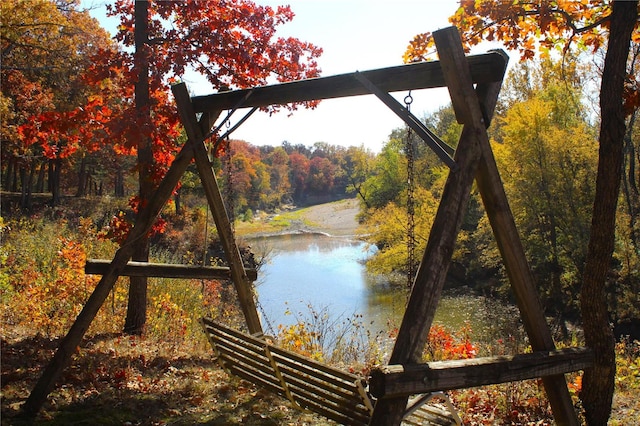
(337, 218)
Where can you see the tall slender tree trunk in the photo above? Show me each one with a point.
(41, 172)
(49, 175)
(7, 182)
(54, 180)
(23, 187)
(598, 382)
(177, 198)
(82, 178)
(137, 306)
(118, 183)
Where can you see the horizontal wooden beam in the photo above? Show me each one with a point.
(165, 270)
(394, 381)
(485, 68)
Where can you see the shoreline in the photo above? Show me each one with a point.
(334, 219)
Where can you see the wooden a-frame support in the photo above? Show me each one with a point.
(194, 148)
(473, 159)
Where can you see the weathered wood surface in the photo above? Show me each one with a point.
(485, 68)
(333, 393)
(432, 272)
(422, 411)
(165, 270)
(195, 132)
(410, 379)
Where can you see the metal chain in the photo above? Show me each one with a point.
(230, 192)
(411, 239)
(270, 328)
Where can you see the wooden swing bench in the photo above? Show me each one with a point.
(309, 384)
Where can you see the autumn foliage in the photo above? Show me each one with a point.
(525, 26)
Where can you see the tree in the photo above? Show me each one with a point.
(46, 47)
(278, 161)
(299, 169)
(389, 174)
(356, 165)
(548, 157)
(321, 176)
(548, 24)
(243, 170)
(232, 44)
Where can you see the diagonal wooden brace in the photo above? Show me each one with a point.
(218, 210)
(144, 222)
(437, 145)
(432, 272)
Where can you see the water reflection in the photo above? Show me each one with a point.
(327, 274)
(311, 269)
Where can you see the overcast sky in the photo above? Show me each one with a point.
(356, 35)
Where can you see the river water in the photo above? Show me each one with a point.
(312, 274)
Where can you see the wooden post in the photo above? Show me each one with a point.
(144, 222)
(218, 210)
(432, 272)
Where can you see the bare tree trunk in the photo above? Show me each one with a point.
(177, 198)
(82, 178)
(118, 186)
(7, 183)
(23, 187)
(14, 181)
(137, 306)
(41, 172)
(49, 175)
(54, 180)
(32, 173)
(598, 382)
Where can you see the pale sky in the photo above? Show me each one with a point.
(356, 35)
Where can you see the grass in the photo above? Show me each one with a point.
(120, 380)
(273, 224)
(168, 376)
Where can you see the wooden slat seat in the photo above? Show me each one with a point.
(308, 384)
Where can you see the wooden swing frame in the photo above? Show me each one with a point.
(474, 83)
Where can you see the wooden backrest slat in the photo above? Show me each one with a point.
(268, 384)
(310, 384)
(311, 371)
(299, 387)
(236, 346)
(315, 384)
(343, 375)
(240, 361)
(222, 330)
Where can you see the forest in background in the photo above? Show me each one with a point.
(545, 139)
(67, 140)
